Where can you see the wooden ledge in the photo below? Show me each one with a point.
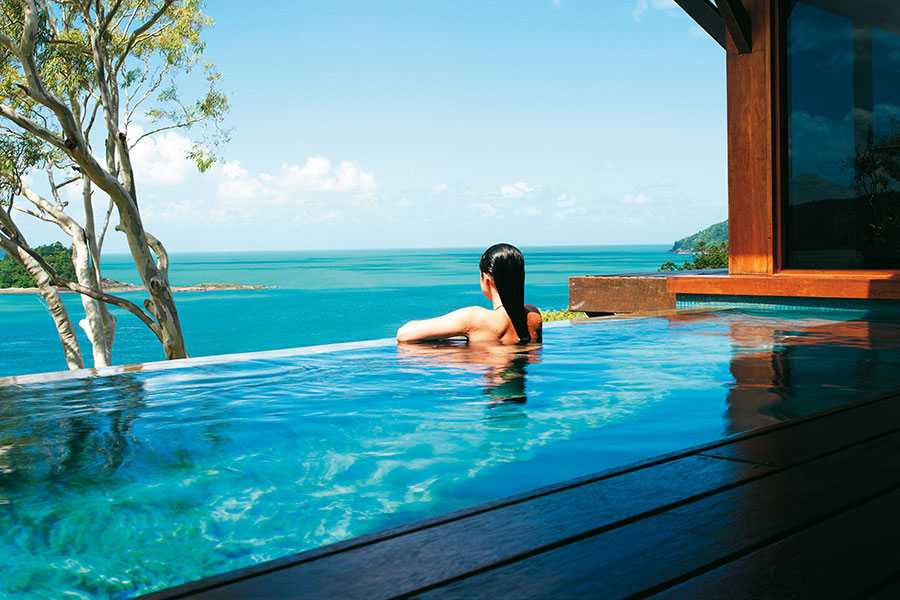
(876, 285)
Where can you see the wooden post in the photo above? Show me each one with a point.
(751, 145)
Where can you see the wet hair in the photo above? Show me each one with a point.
(507, 266)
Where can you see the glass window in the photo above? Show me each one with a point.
(843, 97)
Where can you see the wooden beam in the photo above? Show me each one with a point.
(839, 285)
(707, 16)
(619, 294)
(737, 22)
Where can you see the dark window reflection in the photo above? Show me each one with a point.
(843, 201)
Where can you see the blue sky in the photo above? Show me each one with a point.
(363, 124)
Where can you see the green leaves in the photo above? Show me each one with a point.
(714, 256)
(58, 256)
(561, 315)
(18, 155)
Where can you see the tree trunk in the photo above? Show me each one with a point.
(93, 325)
(99, 327)
(102, 322)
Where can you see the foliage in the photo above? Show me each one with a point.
(714, 234)
(86, 82)
(561, 315)
(18, 155)
(714, 256)
(876, 180)
(142, 69)
(876, 165)
(12, 275)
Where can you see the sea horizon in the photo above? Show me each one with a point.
(312, 297)
(523, 247)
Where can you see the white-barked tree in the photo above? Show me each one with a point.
(75, 75)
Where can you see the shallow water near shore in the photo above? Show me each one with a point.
(315, 298)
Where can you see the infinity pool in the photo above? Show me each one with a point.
(116, 485)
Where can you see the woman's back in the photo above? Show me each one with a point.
(510, 322)
(496, 326)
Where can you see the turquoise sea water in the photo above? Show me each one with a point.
(316, 298)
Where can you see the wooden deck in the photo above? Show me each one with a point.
(804, 509)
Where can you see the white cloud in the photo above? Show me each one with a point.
(515, 190)
(566, 201)
(567, 206)
(439, 188)
(487, 210)
(235, 182)
(532, 211)
(642, 6)
(315, 176)
(160, 159)
(635, 199)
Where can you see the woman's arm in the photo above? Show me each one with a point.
(535, 324)
(458, 322)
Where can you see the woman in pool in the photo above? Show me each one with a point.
(510, 322)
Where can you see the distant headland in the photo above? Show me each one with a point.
(714, 234)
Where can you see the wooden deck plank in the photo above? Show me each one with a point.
(785, 446)
(672, 546)
(424, 557)
(867, 557)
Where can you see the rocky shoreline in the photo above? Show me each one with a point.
(111, 286)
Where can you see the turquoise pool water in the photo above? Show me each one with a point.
(158, 474)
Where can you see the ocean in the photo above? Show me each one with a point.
(315, 297)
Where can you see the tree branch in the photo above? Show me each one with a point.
(130, 19)
(40, 216)
(109, 210)
(68, 181)
(187, 123)
(87, 130)
(162, 257)
(129, 109)
(32, 127)
(104, 23)
(152, 34)
(137, 33)
(59, 281)
(36, 88)
(9, 44)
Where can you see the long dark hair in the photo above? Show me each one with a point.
(507, 266)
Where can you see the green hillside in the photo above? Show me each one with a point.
(58, 256)
(714, 234)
